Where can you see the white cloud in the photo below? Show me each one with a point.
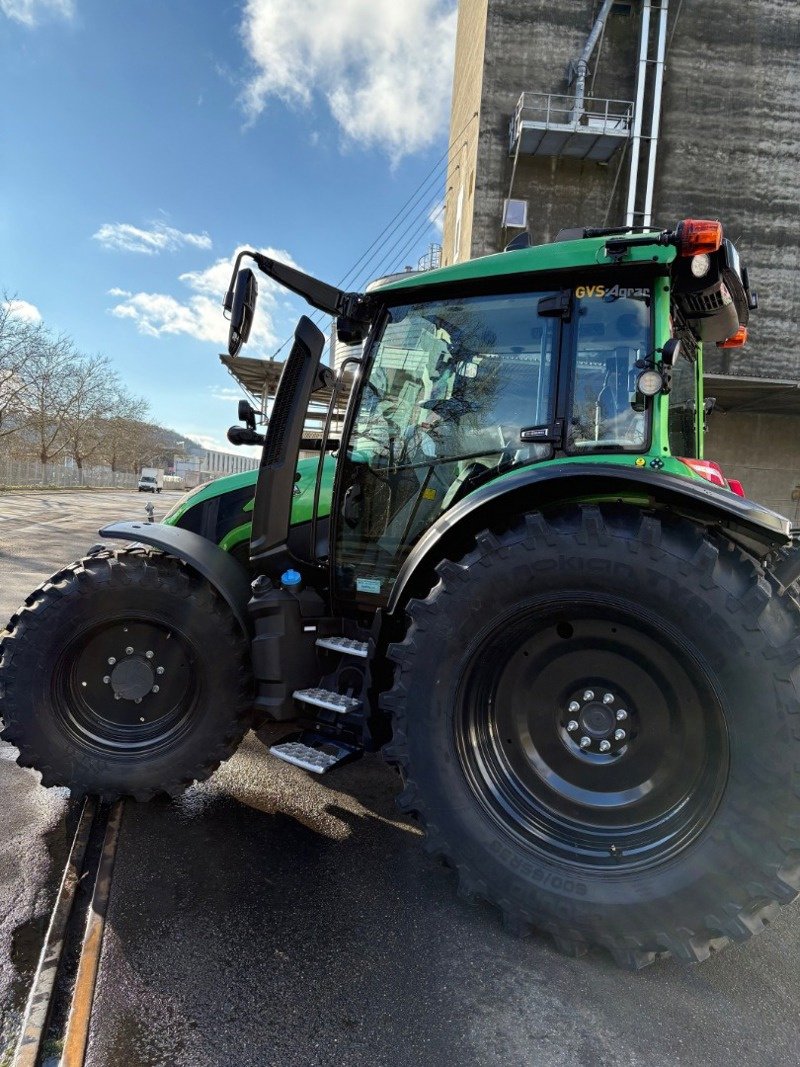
(227, 393)
(199, 313)
(22, 309)
(384, 67)
(124, 237)
(28, 12)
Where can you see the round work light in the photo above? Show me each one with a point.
(650, 382)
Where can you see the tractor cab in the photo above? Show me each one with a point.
(586, 352)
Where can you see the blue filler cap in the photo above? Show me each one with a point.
(291, 578)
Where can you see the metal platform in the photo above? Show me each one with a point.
(548, 125)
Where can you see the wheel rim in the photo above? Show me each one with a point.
(590, 731)
(126, 687)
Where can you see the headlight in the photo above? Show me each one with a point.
(650, 382)
(700, 265)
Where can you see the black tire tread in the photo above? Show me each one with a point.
(148, 567)
(711, 562)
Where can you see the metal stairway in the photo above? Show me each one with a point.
(336, 734)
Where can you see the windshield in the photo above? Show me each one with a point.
(451, 386)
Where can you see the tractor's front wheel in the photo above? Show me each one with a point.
(124, 674)
(596, 715)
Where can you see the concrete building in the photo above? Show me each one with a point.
(728, 147)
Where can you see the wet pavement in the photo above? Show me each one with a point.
(271, 918)
(39, 531)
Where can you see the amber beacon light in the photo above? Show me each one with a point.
(695, 237)
(738, 339)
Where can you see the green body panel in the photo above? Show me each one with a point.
(564, 255)
(302, 506)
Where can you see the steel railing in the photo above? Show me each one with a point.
(597, 115)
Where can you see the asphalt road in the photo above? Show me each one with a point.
(270, 918)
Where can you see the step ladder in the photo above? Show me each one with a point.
(322, 747)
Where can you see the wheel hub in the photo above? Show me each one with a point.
(597, 722)
(127, 683)
(132, 678)
(556, 746)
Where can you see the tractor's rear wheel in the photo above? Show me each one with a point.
(596, 715)
(124, 674)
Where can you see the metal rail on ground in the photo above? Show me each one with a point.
(49, 980)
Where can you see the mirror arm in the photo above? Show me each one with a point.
(324, 297)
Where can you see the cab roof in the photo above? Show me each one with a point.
(588, 252)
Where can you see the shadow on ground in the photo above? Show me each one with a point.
(270, 918)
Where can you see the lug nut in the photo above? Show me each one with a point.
(572, 726)
(622, 715)
(605, 746)
(585, 742)
(142, 718)
(154, 689)
(149, 654)
(588, 695)
(106, 679)
(574, 706)
(138, 700)
(159, 670)
(608, 698)
(129, 651)
(619, 735)
(111, 661)
(116, 696)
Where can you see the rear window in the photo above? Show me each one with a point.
(683, 410)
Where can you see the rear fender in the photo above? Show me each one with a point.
(758, 528)
(230, 579)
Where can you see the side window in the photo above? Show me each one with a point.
(613, 332)
(683, 410)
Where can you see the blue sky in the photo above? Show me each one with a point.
(144, 143)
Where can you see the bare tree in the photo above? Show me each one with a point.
(121, 429)
(50, 392)
(94, 388)
(18, 337)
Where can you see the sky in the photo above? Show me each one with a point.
(144, 143)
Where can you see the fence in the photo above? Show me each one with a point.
(27, 472)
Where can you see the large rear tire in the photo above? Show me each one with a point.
(596, 716)
(124, 675)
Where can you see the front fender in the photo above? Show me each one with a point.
(535, 487)
(219, 568)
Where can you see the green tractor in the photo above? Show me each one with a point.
(511, 570)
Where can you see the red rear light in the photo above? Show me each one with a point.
(738, 339)
(736, 487)
(696, 236)
(708, 469)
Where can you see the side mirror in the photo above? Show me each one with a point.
(243, 435)
(243, 307)
(247, 414)
(670, 352)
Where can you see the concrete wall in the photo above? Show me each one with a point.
(730, 145)
(762, 451)
(731, 150)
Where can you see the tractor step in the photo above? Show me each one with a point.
(314, 752)
(327, 698)
(346, 645)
